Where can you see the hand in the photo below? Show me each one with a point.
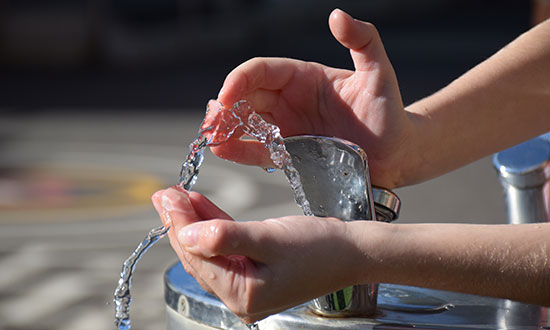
(261, 268)
(257, 268)
(363, 106)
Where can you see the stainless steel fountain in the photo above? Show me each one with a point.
(336, 181)
(524, 171)
(335, 177)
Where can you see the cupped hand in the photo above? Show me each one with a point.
(257, 268)
(363, 106)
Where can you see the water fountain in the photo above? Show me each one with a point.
(524, 171)
(339, 170)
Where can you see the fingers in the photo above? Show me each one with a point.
(186, 212)
(208, 248)
(361, 38)
(223, 238)
(179, 208)
(232, 279)
(257, 73)
(163, 209)
(205, 209)
(175, 211)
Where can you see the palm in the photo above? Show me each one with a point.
(308, 98)
(363, 106)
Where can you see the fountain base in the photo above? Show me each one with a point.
(399, 307)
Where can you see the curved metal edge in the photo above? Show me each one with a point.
(470, 312)
(342, 144)
(188, 299)
(387, 204)
(526, 165)
(354, 301)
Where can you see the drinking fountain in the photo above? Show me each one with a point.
(336, 181)
(335, 177)
(524, 171)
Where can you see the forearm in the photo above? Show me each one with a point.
(507, 261)
(499, 103)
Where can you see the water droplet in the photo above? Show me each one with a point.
(253, 326)
(269, 169)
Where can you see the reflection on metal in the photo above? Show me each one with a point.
(337, 181)
(386, 204)
(335, 176)
(405, 299)
(524, 171)
(399, 308)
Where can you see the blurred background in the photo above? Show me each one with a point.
(144, 54)
(99, 100)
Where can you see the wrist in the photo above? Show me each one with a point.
(391, 165)
(423, 159)
(405, 164)
(370, 240)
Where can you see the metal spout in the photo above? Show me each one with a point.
(336, 181)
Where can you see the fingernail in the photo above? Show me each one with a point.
(189, 235)
(157, 194)
(166, 219)
(167, 203)
(167, 200)
(155, 199)
(336, 12)
(172, 199)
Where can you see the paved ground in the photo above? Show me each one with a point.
(61, 253)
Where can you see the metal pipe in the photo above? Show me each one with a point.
(524, 172)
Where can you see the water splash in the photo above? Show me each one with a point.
(123, 298)
(270, 136)
(218, 126)
(190, 168)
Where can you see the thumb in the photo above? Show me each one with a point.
(361, 38)
(222, 238)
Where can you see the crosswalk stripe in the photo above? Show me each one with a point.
(55, 294)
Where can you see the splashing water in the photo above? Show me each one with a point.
(218, 126)
(123, 298)
(270, 136)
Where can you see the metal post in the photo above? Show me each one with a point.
(524, 171)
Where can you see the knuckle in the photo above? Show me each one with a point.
(217, 236)
(370, 25)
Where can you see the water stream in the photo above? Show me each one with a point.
(218, 126)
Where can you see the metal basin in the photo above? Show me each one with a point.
(399, 307)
